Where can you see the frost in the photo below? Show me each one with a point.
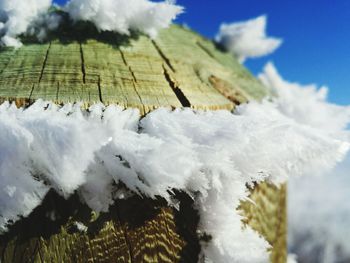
(124, 15)
(247, 39)
(32, 17)
(81, 227)
(306, 104)
(213, 156)
(292, 258)
(16, 16)
(43, 24)
(27, 160)
(319, 234)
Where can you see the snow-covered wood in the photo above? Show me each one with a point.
(178, 69)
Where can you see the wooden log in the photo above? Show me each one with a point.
(178, 69)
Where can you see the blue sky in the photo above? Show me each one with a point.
(316, 36)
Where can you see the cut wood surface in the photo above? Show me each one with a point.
(177, 69)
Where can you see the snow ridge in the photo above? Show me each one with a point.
(16, 16)
(32, 17)
(124, 15)
(307, 104)
(213, 156)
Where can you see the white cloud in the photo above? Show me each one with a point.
(124, 15)
(247, 39)
(16, 16)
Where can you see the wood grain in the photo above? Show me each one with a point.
(173, 70)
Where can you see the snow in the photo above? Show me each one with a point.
(81, 227)
(247, 39)
(124, 15)
(32, 17)
(44, 23)
(319, 234)
(16, 16)
(292, 258)
(211, 155)
(307, 104)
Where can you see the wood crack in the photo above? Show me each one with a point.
(31, 92)
(99, 88)
(44, 63)
(133, 78)
(127, 65)
(165, 58)
(178, 92)
(57, 90)
(82, 63)
(206, 50)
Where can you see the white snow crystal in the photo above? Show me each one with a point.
(306, 104)
(211, 155)
(81, 227)
(247, 39)
(43, 24)
(31, 17)
(124, 15)
(319, 234)
(16, 16)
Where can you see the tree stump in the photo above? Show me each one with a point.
(178, 69)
